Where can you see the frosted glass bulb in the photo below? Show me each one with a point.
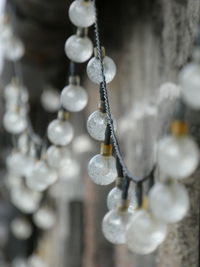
(41, 177)
(82, 13)
(78, 49)
(82, 144)
(145, 231)
(97, 123)
(169, 202)
(13, 91)
(115, 196)
(19, 262)
(44, 218)
(13, 48)
(35, 261)
(50, 100)
(102, 169)
(12, 181)
(6, 30)
(74, 98)
(57, 155)
(14, 122)
(189, 78)
(21, 228)
(60, 133)
(94, 70)
(178, 157)
(114, 226)
(69, 169)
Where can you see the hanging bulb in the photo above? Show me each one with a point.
(189, 78)
(69, 169)
(78, 48)
(102, 167)
(36, 261)
(14, 122)
(5, 28)
(144, 232)
(114, 225)
(44, 218)
(12, 181)
(41, 177)
(178, 157)
(74, 98)
(13, 48)
(57, 155)
(96, 125)
(50, 99)
(169, 202)
(82, 13)
(60, 132)
(19, 262)
(21, 228)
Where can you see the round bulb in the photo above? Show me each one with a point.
(74, 98)
(57, 155)
(69, 169)
(35, 261)
(178, 157)
(169, 202)
(102, 169)
(50, 100)
(19, 262)
(44, 218)
(82, 13)
(13, 91)
(60, 133)
(189, 78)
(94, 70)
(78, 49)
(13, 48)
(114, 226)
(21, 228)
(14, 122)
(96, 125)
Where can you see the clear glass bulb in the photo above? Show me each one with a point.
(115, 196)
(13, 48)
(57, 155)
(21, 228)
(14, 122)
(69, 169)
(178, 157)
(97, 123)
(82, 13)
(169, 202)
(36, 261)
(44, 218)
(50, 100)
(94, 70)
(41, 177)
(102, 169)
(78, 49)
(145, 231)
(189, 78)
(114, 226)
(74, 98)
(60, 133)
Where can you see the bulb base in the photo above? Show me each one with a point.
(106, 150)
(179, 128)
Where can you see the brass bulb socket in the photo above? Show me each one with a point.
(63, 115)
(82, 32)
(74, 80)
(106, 150)
(145, 203)
(119, 181)
(124, 205)
(179, 128)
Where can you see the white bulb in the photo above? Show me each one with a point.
(57, 155)
(82, 13)
(14, 122)
(114, 226)
(189, 78)
(6, 29)
(12, 181)
(44, 218)
(178, 157)
(60, 133)
(69, 169)
(115, 196)
(82, 144)
(21, 228)
(94, 70)
(41, 177)
(145, 232)
(19, 262)
(13, 48)
(169, 202)
(78, 49)
(97, 123)
(102, 169)
(15, 91)
(74, 98)
(35, 261)
(50, 100)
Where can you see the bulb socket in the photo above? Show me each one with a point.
(103, 52)
(82, 32)
(145, 204)
(106, 150)
(119, 182)
(179, 128)
(124, 205)
(63, 115)
(74, 80)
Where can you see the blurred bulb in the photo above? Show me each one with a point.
(19, 262)
(14, 122)
(21, 228)
(35, 261)
(13, 48)
(44, 218)
(69, 169)
(82, 144)
(56, 155)
(50, 100)
(13, 91)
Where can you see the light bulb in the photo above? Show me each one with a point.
(102, 169)
(12, 181)
(13, 48)
(69, 169)
(19, 262)
(74, 98)
(169, 202)
(50, 99)
(41, 177)
(36, 261)
(57, 155)
(178, 157)
(6, 29)
(115, 196)
(21, 228)
(14, 122)
(13, 91)
(97, 123)
(189, 78)
(114, 226)
(78, 49)
(82, 13)
(94, 70)
(144, 232)
(44, 218)
(60, 133)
